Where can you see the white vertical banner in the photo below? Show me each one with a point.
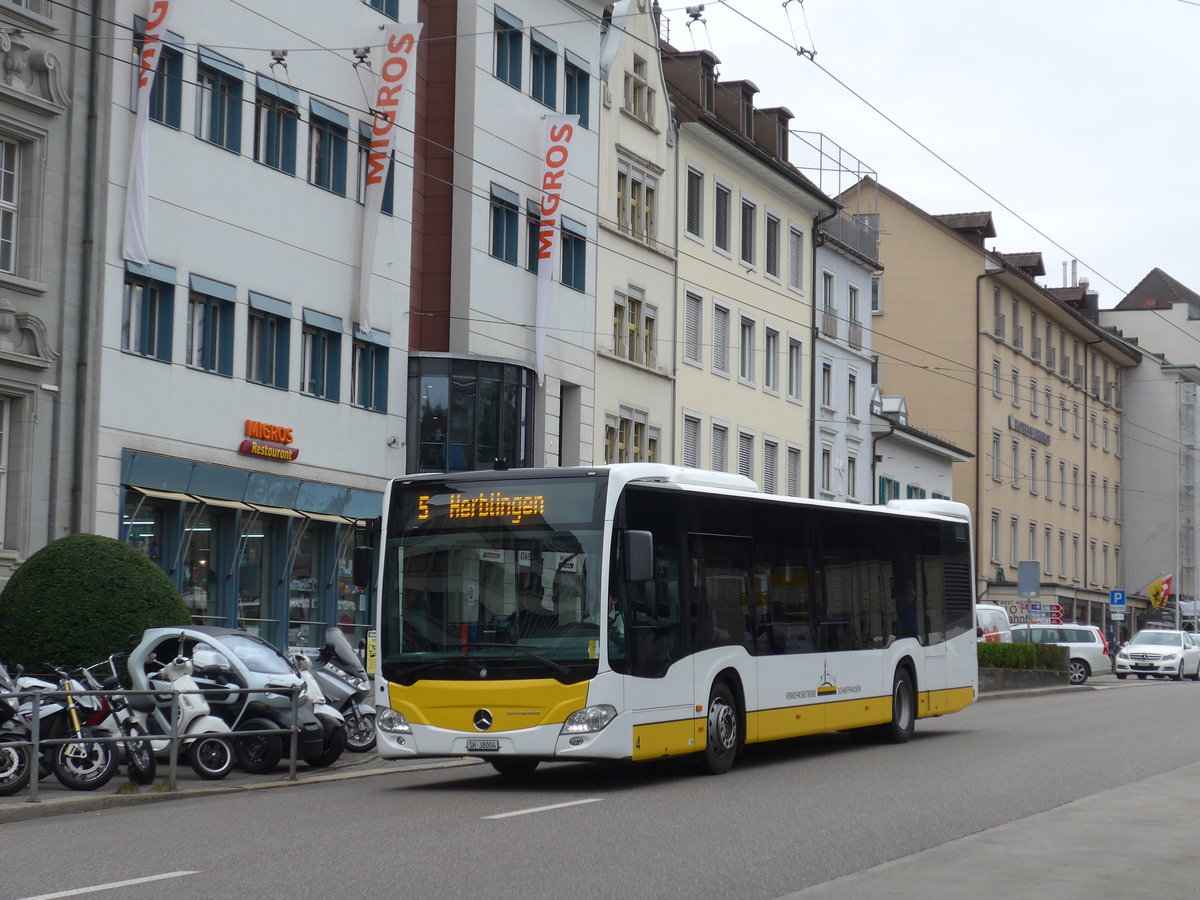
(399, 45)
(560, 130)
(137, 198)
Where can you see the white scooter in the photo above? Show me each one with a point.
(203, 737)
(332, 721)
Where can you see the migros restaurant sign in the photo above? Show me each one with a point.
(268, 442)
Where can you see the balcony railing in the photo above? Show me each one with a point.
(829, 323)
(1035, 348)
(998, 329)
(856, 333)
(854, 232)
(1050, 357)
(1018, 336)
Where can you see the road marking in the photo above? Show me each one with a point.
(522, 812)
(110, 886)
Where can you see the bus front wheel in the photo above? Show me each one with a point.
(723, 730)
(514, 766)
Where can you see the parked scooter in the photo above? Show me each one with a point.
(344, 682)
(204, 738)
(332, 722)
(16, 760)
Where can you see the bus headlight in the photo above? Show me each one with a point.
(589, 719)
(392, 722)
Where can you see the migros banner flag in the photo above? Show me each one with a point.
(399, 47)
(133, 241)
(560, 130)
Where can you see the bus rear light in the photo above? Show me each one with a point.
(392, 722)
(589, 719)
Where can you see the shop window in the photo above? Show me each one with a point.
(201, 567)
(353, 601)
(275, 116)
(148, 311)
(328, 134)
(370, 374)
(305, 627)
(219, 106)
(254, 580)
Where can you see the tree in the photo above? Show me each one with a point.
(79, 599)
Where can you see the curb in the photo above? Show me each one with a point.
(63, 805)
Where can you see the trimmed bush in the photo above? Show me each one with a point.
(79, 599)
(1041, 657)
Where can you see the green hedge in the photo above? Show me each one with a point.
(1043, 657)
(80, 598)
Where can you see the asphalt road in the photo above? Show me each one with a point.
(788, 816)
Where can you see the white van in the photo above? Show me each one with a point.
(992, 623)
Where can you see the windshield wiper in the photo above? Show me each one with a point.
(557, 667)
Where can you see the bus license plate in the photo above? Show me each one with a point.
(483, 745)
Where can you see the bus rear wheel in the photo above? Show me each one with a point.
(723, 730)
(904, 710)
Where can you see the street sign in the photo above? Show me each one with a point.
(1117, 616)
(1116, 598)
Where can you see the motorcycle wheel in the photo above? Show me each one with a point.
(139, 757)
(210, 757)
(15, 765)
(84, 765)
(360, 733)
(260, 753)
(335, 743)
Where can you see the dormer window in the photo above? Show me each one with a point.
(747, 107)
(708, 86)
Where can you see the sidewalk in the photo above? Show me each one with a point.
(54, 799)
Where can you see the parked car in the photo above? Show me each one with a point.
(992, 623)
(1160, 652)
(1086, 646)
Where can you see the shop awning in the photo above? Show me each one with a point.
(166, 495)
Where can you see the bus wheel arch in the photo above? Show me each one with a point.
(725, 726)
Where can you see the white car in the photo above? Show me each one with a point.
(1160, 652)
(1087, 648)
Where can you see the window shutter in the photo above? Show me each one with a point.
(693, 308)
(691, 442)
(721, 340)
(695, 184)
(795, 259)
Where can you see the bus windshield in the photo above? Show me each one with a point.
(496, 579)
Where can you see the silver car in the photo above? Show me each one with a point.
(1086, 646)
(1161, 653)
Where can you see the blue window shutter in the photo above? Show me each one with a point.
(381, 379)
(333, 378)
(388, 187)
(225, 340)
(282, 346)
(339, 164)
(882, 489)
(166, 315)
(289, 145)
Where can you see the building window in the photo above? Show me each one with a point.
(827, 470)
(1092, 428)
(504, 215)
(1104, 433)
(577, 83)
(691, 442)
(889, 489)
(10, 185)
(634, 328)
(148, 315)
(1092, 494)
(574, 254)
(321, 358)
(1049, 478)
(636, 200)
(693, 313)
(793, 471)
(852, 395)
(1075, 486)
(795, 369)
(219, 108)
(543, 70)
(1033, 471)
(745, 454)
(1049, 407)
(1034, 399)
(695, 203)
(771, 361)
(275, 121)
(1016, 464)
(1062, 413)
(364, 170)
(852, 476)
(795, 259)
(1016, 388)
(720, 447)
(721, 213)
(166, 92)
(770, 467)
(749, 238)
(210, 332)
(369, 375)
(772, 249)
(639, 96)
(509, 41)
(876, 294)
(268, 342)
(995, 536)
(390, 8)
(827, 385)
(720, 346)
(1062, 482)
(1104, 498)
(997, 467)
(327, 148)
(746, 351)
(997, 390)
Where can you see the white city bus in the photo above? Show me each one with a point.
(641, 611)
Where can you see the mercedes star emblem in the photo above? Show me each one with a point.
(482, 719)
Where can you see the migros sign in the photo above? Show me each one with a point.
(268, 441)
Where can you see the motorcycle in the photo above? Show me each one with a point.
(16, 753)
(80, 763)
(205, 738)
(140, 762)
(343, 681)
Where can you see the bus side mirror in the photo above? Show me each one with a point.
(361, 570)
(639, 556)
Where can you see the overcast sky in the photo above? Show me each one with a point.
(1079, 116)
